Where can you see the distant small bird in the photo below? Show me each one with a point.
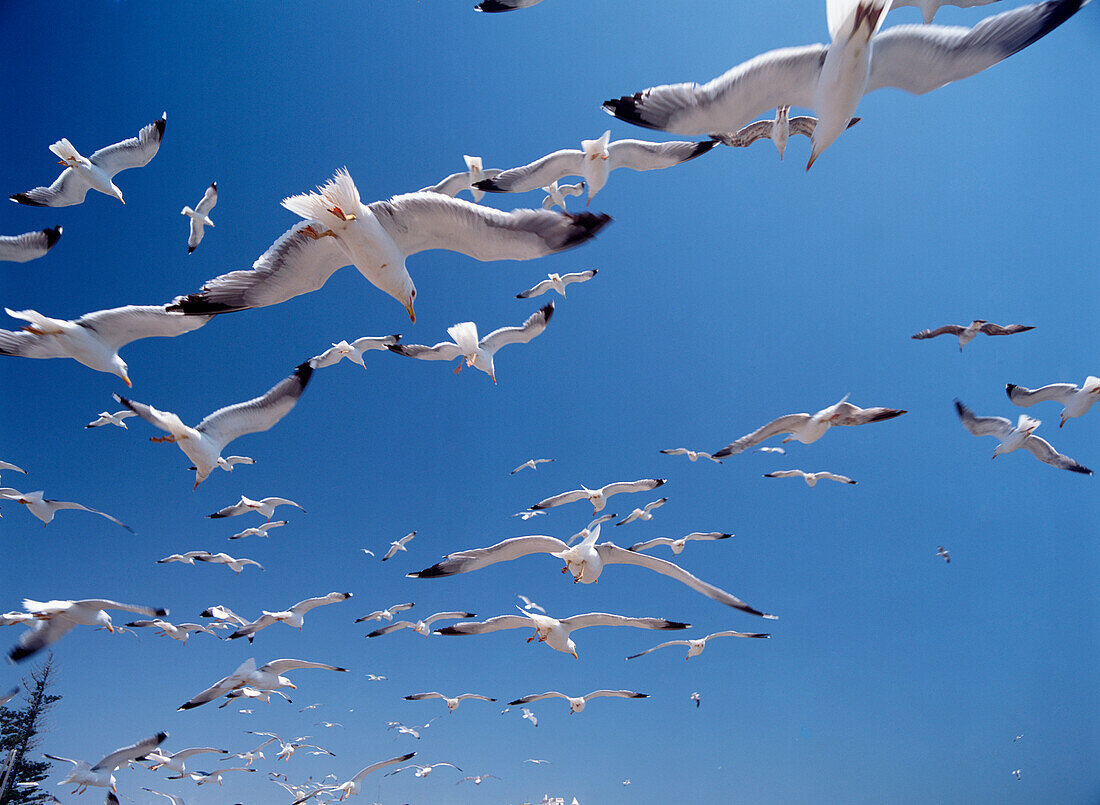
(457, 182)
(598, 497)
(236, 565)
(779, 450)
(643, 514)
(967, 333)
(399, 546)
(536, 761)
(386, 613)
(525, 516)
(200, 216)
(452, 703)
(29, 245)
(1017, 773)
(375, 678)
(778, 131)
(531, 462)
(678, 545)
(577, 703)
(1014, 437)
(695, 647)
(1018, 737)
(946, 554)
(529, 605)
(534, 722)
(178, 632)
(106, 418)
(264, 506)
(261, 530)
(695, 698)
(478, 779)
(423, 771)
(353, 351)
(693, 455)
(421, 627)
(1075, 401)
(557, 282)
(811, 478)
(556, 193)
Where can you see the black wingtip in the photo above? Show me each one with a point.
(398, 348)
(303, 371)
(1008, 389)
(889, 413)
(1083, 470)
(547, 311)
(375, 633)
(701, 148)
(960, 409)
(1057, 12)
(676, 625)
(160, 613)
(18, 654)
(197, 304)
(191, 249)
(23, 198)
(448, 630)
(215, 516)
(52, 236)
(626, 108)
(489, 186)
(585, 226)
(493, 6)
(214, 185)
(661, 482)
(160, 123)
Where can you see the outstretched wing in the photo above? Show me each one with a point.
(785, 424)
(605, 619)
(844, 413)
(983, 425)
(1025, 397)
(540, 173)
(119, 326)
(947, 329)
(443, 351)
(209, 199)
(133, 153)
(475, 559)
(128, 753)
(29, 245)
(533, 326)
(642, 155)
(69, 188)
(491, 625)
(1042, 450)
(1009, 329)
(259, 414)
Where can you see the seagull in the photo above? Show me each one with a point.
(353, 786)
(594, 161)
(695, 647)
(264, 506)
(205, 777)
(678, 545)
(7, 697)
(248, 692)
(457, 182)
(375, 678)
(536, 761)
(576, 704)
(928, 8)
(261, 530)
(28, 246)
(496, 6)
(200, 216)
(328, 724)
(229, 462)
(421, 627)
(808, 428)
(811, 478)
(478, 779)
(555, 633)
(529, 605)
(269, 676)
(832, 79)
(1013, 438)
(695, 698)
(556, 193)
(44, 509)
(532, 463)
(970, 331)
(399, 546)
(778, 131)
(186, 558)
(95, 338)
(204, 443)
(367, 552)
(585, 562)
(598, 497)
(525, 516)
(353, 351)
(107, 418)
(102, 774)
(1017, 773)
(946, 554)
(452, 704)
(178, 632)
(413, 731)
(1018, 737)
(476, 352)
(643, 514)
(236, 565)
(423, 771)
(557, 282)
(1076, 401)
(386, 613)
(377, 238)
(176, 760)
(96, 172)
(692, 455)
(778, 450)
(294, 616)
(225, 615)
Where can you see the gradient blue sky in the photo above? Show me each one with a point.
(732, 290)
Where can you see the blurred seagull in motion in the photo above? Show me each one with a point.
(529, 605)
(421, 627)
(598, 497)
(497, 6)
(200, 216)
(102, 774)
(811, 478)
(1013, 437)
(452, 704)
(386, 613)
(293, 616)
(268, 677)
(352, 787)
(532, 463)
(1076, 401)
(178, 632)
(695, 647)
(82, 174)
(969, 332)
(29, 245)
(943, 552)
(55, 619)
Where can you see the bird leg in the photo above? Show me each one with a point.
(310, 232)
(339, 213)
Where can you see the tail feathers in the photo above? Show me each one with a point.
(339, 191)
(64, 149)
(465, 335)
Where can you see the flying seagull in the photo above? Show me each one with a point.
(261, 530)
(1076, 401)
(377, 238)
(107, 418)
(832, 79)
(808, 428)
(557, 282)
(532, 463)
(811, 478)
(179, 632)
(476, 352)
(556, 194)
(577, 703)
(204, 443)
(294, 616)
(353, 786)
(692, 455)
(200, 216)
(176, 761)
(55, 619)
(452, 704)
(264, 506)
(229, 462)
(28, 246)
(387, 613)
(529, 605)
(1013, 437)
(598, 497)
(643, 514)
(353, 351)
(779, 130)
(695, 647)
(946, 554)
(102, 774)
(269, 676)
(82, 174)
(399, 545)
(678, 545)
(968, 332)
(95, 338)
(421, 627)
(44, 509)
(457, 182)
(594, 161)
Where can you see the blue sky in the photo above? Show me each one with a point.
(733, 289)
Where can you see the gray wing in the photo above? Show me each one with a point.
(785, 424)
(537, 290)
(534, 325)
(443, 351)
(641, 155)
(64, 504)
(659, 645)
(1042, 450)
(119, 326)
(393, 627)
(44, 633)
(421, 221)
(375, 342)
(983, 425)
(69, 188)
(921, 58)
(561, 500)
(605, 619)
(22, 344)
(295, 264)
(209, 199)
(538, 174)
(312, 603)
(194, 235)
(375, 766)
(1025, 397)
(785, 77)
(760, 130)
(451, 186)
(106, 603)
(259, 414)
(650, 543)
(497, 6)
(491, 625)
(1010, 329)
(641, 485)
(261, 622)
(847, 414)
(613, 554)
(947, 329)
(28, 246)
(279, 667)
(509, 549)
(128, 753)
(133, 153)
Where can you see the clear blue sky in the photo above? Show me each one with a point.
(733, 289)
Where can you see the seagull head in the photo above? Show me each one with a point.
(119, 367)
